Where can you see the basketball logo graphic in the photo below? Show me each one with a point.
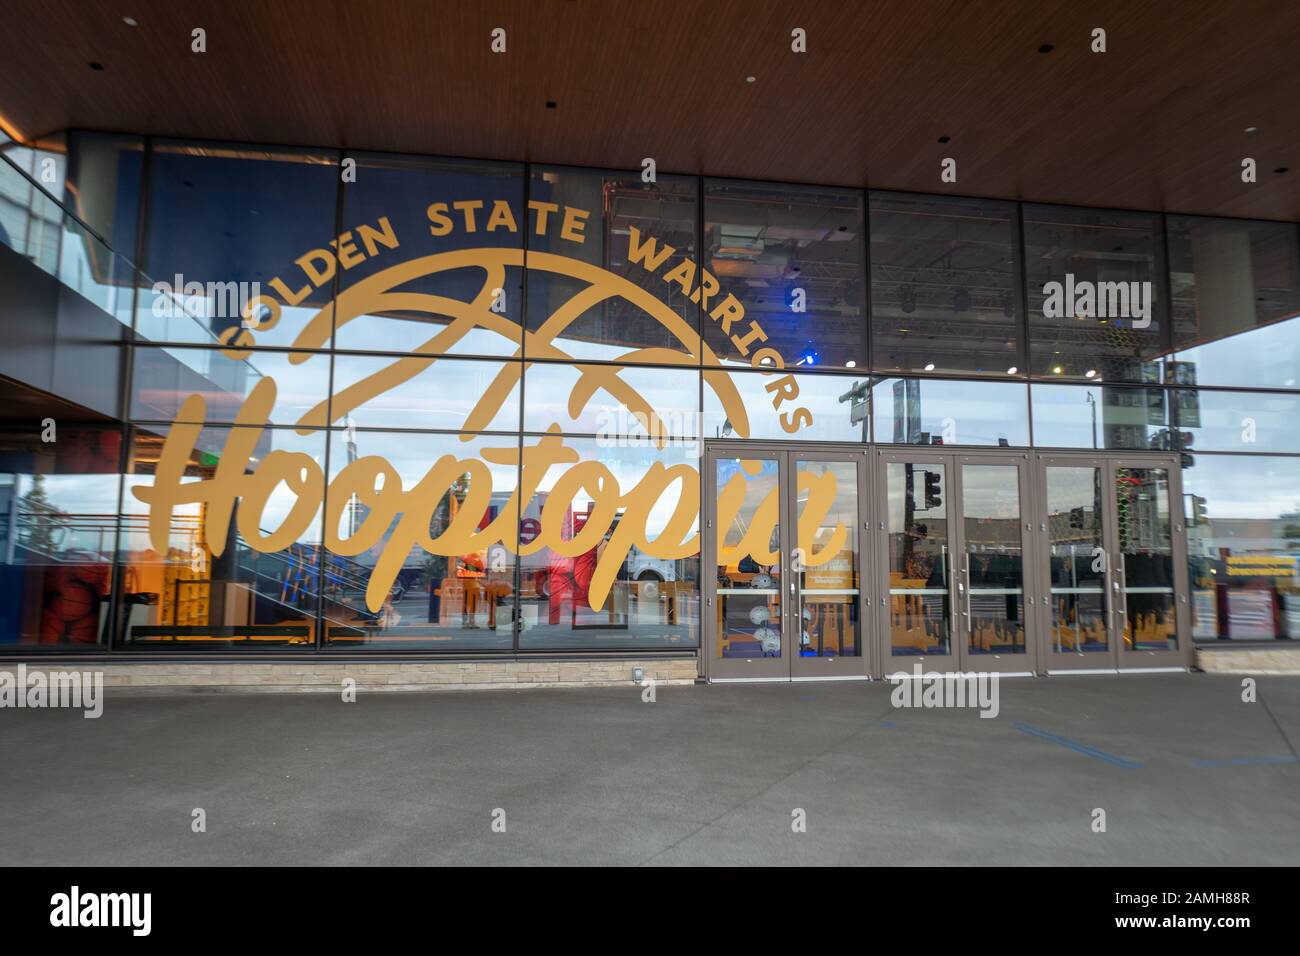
(398, 519)
(378, 294)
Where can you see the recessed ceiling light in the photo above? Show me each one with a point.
(750, 79)
(131, 21)
(929, 367)
(945, 139)
(1090, 373)
(1012, 370)
(1252, 129)
(1046, 48)
(850, 364)
(1056, 370)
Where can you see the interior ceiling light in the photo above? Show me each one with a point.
(1057, 369)
(850, 364)
(750, 79)
(929, 367)
(1252, 129)
(1090, 373)
(131, 21)
(1012, 370)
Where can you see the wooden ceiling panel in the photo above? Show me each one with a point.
(1157, 122)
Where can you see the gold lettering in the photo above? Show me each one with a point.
(467, 207)
(644, 253)
(373, 238)
(756, 333)
(543, 209)
(575, 221)
(501, 216)
(437, 214)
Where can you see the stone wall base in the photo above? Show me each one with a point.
(323, 677)
(1249, 660)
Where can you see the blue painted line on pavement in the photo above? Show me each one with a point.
(1078, 747)
(1246, 761)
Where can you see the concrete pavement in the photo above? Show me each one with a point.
(704, 775)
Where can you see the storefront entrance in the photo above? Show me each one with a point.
(844, 563)
(783, 563)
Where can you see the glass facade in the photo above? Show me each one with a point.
(444, 405)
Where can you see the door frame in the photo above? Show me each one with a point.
(1117, 658)
(958, 659)
(789, 667)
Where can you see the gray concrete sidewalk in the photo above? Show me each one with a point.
(1186, 772)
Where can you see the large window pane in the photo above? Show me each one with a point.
(613, 400)
(1094, 305)
(262, 589)
(786, 406)
(610, 553)
(1238, 421)
(222, 218)
(165, 378)
(634, 236)
(441, 394)
(447, 583)
(58, 526)
(935, 412)
(1235, 284)
(792, 257)
(1093, 416)
(943, 285)
(454, 283)
(1243, 543)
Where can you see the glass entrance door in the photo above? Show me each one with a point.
(784, 564)
(952, 578)
(1110, 569)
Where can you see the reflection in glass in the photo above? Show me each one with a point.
(827, 419)
(179, 592)
(1238, 421)
(1235, 284)
(826, 561)
(1077, 559)
(588, 576)
(164, 378)
(620, 225)
(1095, 416)
(619, 400)
(1146, 547)
(943, 284)
(459, 601)
(1110, 324)
(435, 208)
(793, 258)
(994, 559)
(223, 217)
(749, 557)
(1243, 547)
(935, 412)
(443, 394)
(920, 619)
(58, 503)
